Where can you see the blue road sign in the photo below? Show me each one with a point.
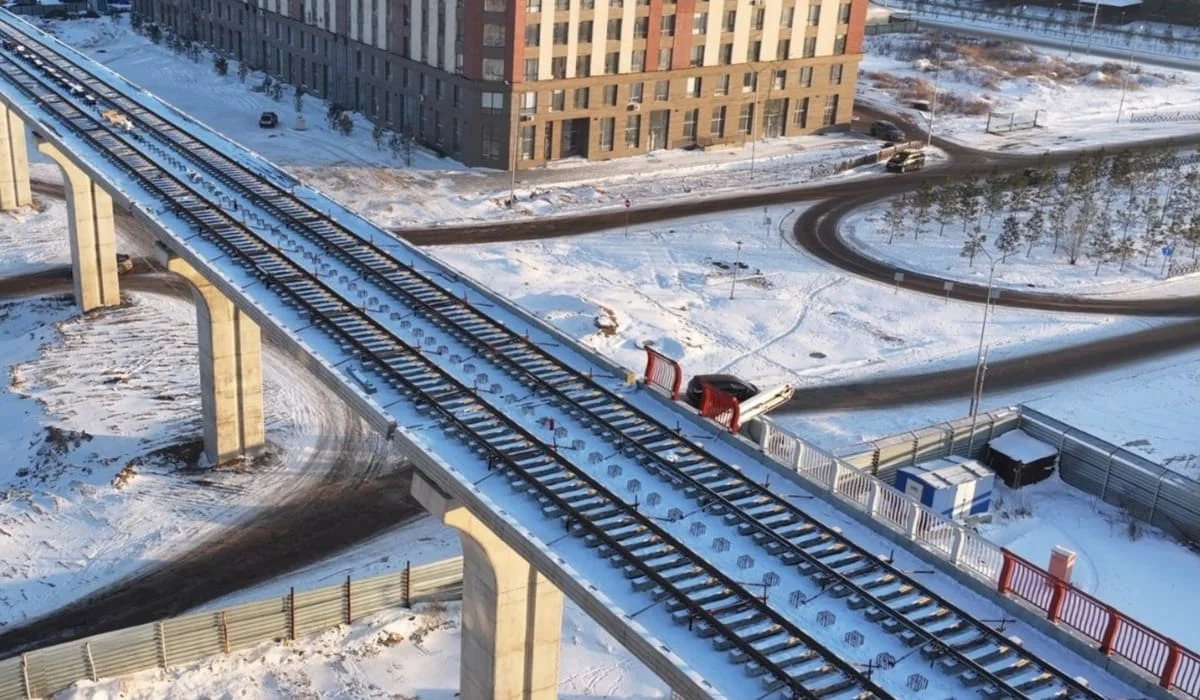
(1167, 250)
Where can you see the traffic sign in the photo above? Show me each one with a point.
(627, 203)
(1167, 250)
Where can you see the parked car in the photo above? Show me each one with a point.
(268, 120)
(886, 130)
(905, 160)
(739, 388)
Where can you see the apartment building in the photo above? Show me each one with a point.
(504, 83)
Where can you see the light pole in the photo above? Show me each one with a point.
(937, 74)
(512, 144)
(754, 117)
(987, 303)
(1124, 84)
(737, 261)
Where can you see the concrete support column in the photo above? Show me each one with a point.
(230, 371)
(14, 162)
(511, 614)
(93, 240)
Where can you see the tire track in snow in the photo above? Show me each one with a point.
(795, 326)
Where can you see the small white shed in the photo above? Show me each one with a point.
(954, 487)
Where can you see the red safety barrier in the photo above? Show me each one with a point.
(1115, 633)
(721, 407)
(663, 372)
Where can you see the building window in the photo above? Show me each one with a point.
(635, 92)
(746, 119)
(558, 67)
(616, 3)
(697, 56)
(664, 58)
(641, 27)
(490, 142)
(493, 35)
(610, 95)
(835, 74)
(612, 62)
(722, 85)
(583, 66)
(666, 27)
(800, 116)
(693, 87)
(839, 45)
(458, 95)
(784, 50)
(755, 52)
(830, 116)
(558, 100)
(533, 34)
(662, 90)
(749, 81)
(778, 79)
(528, 102)
(495, 5)
(493, 69)
(729, 21)
(700, 23)
(633, 130)
(637, 62)
(726, 54)
(533, 5)
(581, 98)
(785, 20)
(814, 15)
(716, 127)
(607, 126)
(561, 33)
(760, 18)
(810, 47)
(614, 29)
(689, 124)
(585, 32)
(526, 138)
(531, 69)
(844, 13)
(562, 4)
(806, 76)
(587, 4)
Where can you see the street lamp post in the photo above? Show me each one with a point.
(1124, 84)
(755, 115)
(937, 74)
(980, 356)
(737, 261)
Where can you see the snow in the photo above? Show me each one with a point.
(658, 284)
(1019, 446)
(1077, 98)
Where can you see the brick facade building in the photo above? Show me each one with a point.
(490, 82)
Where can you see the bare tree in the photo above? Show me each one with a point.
(922, 202)
(947, 209)
(968, 202)
(1035, 230)
(973, 244)
(1123, 248)
(894, 218)
(1080, 227)
(1099, 245)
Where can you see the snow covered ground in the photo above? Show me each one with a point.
(93, 407)
(1076, 98)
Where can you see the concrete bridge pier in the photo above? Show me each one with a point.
(230, 347)
(93, 239)
(14, 162)
(511, 614)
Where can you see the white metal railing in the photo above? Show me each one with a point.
(897, 511)
(180, 640)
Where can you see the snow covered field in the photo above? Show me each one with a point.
(1077, 98)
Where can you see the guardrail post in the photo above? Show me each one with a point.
(1110, 632)
(1006, 569)
(87, 648)
(1167, 679)
(292, 613)
(1056, 600)
(162, 645)
(836, 475)
(349, 602)
(914, 520)
(25, 676)
(406, 583)
(957, 544)
(873, 499)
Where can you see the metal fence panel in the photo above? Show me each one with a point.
(252, 623)
(320, 609)
(186, 639)
(55, 667)
(125, 651)
(12, 679)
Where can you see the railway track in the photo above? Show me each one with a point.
(658, 554)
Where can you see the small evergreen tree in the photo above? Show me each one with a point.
(968, 202)
(894, 218)
(1009, 238)
(993, 196)
(1123, 248)
(155, 33)
(299, 99)
(947, 209)
(1034, 230)
(973, 244)
(922, 202)
(377, 133)
(243, 70)
(220, 65)
(345, 124)
(1100, 245)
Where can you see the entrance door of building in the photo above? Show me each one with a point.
(660, 124)
(773, 117)
(548, 141)
(574, 138)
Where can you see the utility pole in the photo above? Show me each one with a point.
(1124, 84)
(736, 262)
(937, 74)
(512, 144)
